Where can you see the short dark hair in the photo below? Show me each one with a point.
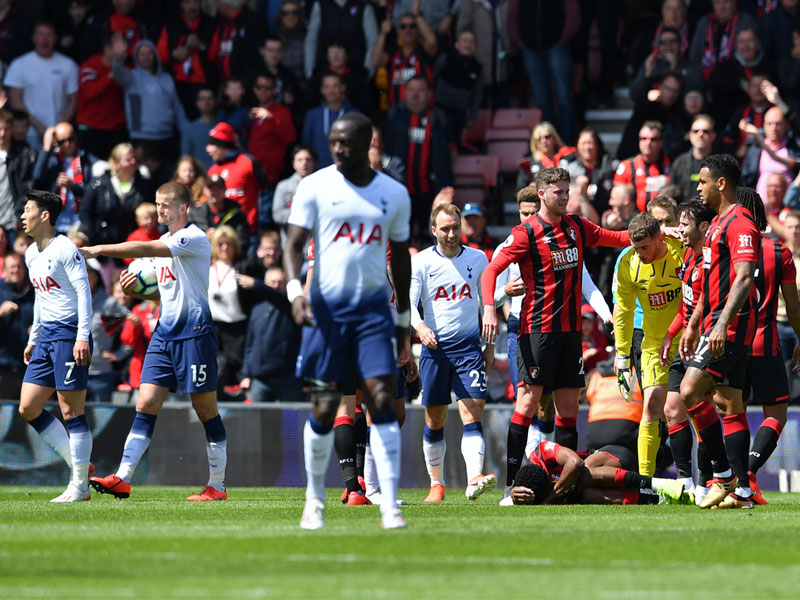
(657, 125)
(528, 194)
(751, 200)
(301, 148)
(723, 165)
(46, 201)
(552, 175)
(536, 479)
(643, 226)
(419, 78)
(331, 74)
(697, 211)
(176, 192)
(337, 42)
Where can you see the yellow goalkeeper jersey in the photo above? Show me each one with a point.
(657, 286)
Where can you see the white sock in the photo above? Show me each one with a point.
(370, 473)
(385, 441)
(688, 482)
(743, 492)
(80, 445)
(658, 482)
(434, 459)
(473, 448)
(317, 448)
(217, 461)
(135, 446)
(534, 437)
(56, 436)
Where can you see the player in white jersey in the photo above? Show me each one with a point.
(445, 279)
(59, 344)
(182, 353)
(352, 212)
(510, 285)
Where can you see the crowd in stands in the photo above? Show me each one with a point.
(105, 100)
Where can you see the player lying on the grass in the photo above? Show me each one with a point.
(182, 353)
(60, 342)
(558, 475)
(445, 281)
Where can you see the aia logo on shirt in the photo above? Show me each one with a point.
(443, 293)
(166, 275)
(45, 284)
(359, 234)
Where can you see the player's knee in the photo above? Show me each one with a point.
(29, 412)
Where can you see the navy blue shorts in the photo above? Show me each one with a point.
(332, 351)
(464, 375)
(187, 365)
(53, 365)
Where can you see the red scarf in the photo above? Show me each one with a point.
(711, 54)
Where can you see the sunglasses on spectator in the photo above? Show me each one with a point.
(407, 26)
(66, 140)
(701, 131)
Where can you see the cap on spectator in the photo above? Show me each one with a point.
(587, 312)
(471, 210)
(216, 180)
(222, 135)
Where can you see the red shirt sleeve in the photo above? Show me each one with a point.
(597, 236)
(744, 240)
(789, 270)
(677, 322)
(163, 49)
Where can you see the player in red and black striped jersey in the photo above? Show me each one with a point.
(694, 220)
(548, 247)
(717, 336)
(766, 373)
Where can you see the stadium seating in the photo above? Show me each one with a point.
(516, 118)
(509, 145)
(475, 134)
(475, 170)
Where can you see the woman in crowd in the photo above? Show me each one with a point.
(189, 172)
(592, 161)
(547, 150)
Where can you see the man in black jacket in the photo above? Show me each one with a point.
(16, 316)
(16, 174)
(219, 210)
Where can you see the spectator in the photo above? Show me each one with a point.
(789, 68)
(193, 141)
(579, 203)
(662, 105)
(775, 209)
(593, 342)
(44, 83)
(413, 57)
(393, 166)
(15, 32)
(622, 207)
(16, 175)
(189, 172)
(271, 133)
(268, 255)
(235, 108)
(686, 168)
(243, 175)
(146, 226)
(664, 59)
(713, 39)
(352, 20)
(108, 351)
(776, 29)
(152, 108)
(353, 78)
(673, 16)
(271, 346)
(438, 13)
(734, 140)
(593, 162)
(547, 150)
(493, 47)
(218, 210)
(64, 169)
(727, 85)
(4, 244)
(459, 89)
(543, 31)
(136, 333)
(75, 31)
(473, 230)
(16, 317)
(786, 334)
(20, 124)
(239, 34)
(183, 49)
(648, 171)
(415, 133)
(101, 112)
(773, 152)
(21, 243)
(291, 28)
(286, 85)
(304, 161)
(122, 20)
(107, 212)
(694, 100)
(318, 121)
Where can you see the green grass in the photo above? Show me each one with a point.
(156, 545)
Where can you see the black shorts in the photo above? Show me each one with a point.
(625, 456)
(729, 369)
(677, 369)
(636, 354)
(611, 432)
(766, 382)
(552, 360)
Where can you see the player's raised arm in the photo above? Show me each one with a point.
(599, 236)
(136, 249)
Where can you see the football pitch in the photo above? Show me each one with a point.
(157, 545)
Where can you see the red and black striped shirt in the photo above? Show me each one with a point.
(646, 178)
(418, 161)
(775, 267)
(550, 259)
(403, 68)
(692, 277)
(732, 238)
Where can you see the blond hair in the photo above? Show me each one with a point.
(224, 231)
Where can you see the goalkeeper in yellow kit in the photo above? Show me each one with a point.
(649, 272)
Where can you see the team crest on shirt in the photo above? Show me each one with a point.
(534, 372)
(469, 272)
(183, 241)
(509, 241)
(78, 257)
(715, 234)
(571, 232)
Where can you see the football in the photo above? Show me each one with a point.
(146, 278)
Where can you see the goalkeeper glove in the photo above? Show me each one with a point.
(624, 376)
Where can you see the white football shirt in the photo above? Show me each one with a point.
(58, 275)
(449, 290)
(183, 285)
(351, 227)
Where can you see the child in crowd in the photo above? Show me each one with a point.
(147, 230)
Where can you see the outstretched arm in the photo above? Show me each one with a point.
(127, 250)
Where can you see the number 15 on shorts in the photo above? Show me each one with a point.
(199, 374)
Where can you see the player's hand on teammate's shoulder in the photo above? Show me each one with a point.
(671, 232)
(426, 336)
(89, 252)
